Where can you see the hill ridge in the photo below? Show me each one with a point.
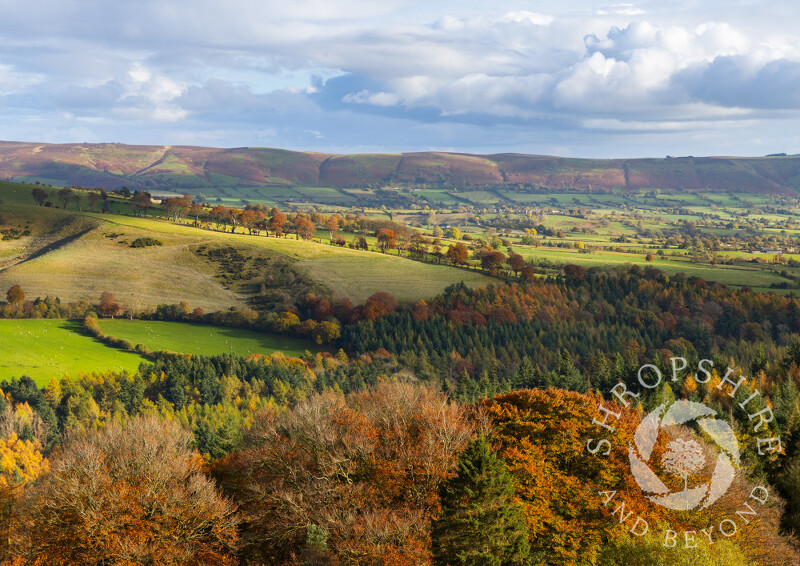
(197, 168)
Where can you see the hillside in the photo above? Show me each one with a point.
(77, 256)
(225, 172)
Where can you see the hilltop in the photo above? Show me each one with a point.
(226, 172)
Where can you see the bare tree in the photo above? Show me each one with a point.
(132, 494)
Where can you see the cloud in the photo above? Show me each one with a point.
(14, 81)
(736, 81)
(620, 10)
(313, 71)
(631, 69)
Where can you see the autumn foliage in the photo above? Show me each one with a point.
(15, 295)
(132, 494)
(296, 472)
(542, 436)
(360, 473)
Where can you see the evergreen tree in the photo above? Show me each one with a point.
(759, 361)
(481, 523)
(174, 392)
(524, 379)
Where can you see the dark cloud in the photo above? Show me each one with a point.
(740, 83)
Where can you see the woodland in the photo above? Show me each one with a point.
(449, 428)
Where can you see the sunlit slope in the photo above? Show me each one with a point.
(226, 172)
(79, 255)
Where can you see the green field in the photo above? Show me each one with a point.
(201, 339)
(83, 260)
(90, 254)
(43, 349)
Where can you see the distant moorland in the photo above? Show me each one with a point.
(290, 173)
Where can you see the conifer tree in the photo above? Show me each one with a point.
(525, 376)
(481, 523)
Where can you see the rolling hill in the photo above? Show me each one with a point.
(213, 170)
(76, 256)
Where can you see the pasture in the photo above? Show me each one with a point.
(348, 273)
(202, 339)
(88, 253)
(44, 349)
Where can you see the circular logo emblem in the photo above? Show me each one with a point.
(683, 459)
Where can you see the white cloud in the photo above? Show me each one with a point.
(150, 96)
(666, 125)
(567, 69)
(632, 70)
(14, 81)
(620, 10)
(525, 17)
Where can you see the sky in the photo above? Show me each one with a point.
(574, 78)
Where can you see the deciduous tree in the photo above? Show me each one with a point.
(93, 197)
(276, 222)
(361, 472)
(108, 306)
(516, 262)
(15, 295)
(132, 494)
(39, 195)
(491, 261)
(457, 254)
(141, 202)
(386, 240)
(303, 227)
(541, 435)
(379, 304)
(65, 195)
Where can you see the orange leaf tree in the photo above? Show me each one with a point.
(542, 435)
(128, 495)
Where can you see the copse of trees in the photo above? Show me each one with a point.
(258, 219)
(52, 307)
(584, 329)
(215, 397)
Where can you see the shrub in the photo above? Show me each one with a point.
(146, 242)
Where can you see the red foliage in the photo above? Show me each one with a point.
(379, 304)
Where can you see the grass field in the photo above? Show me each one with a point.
(201, 339)
(91, 254)
(84, 260)
(88, 253)
(735, 275)
(43, 349)
(349, 273)
(357, 277)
